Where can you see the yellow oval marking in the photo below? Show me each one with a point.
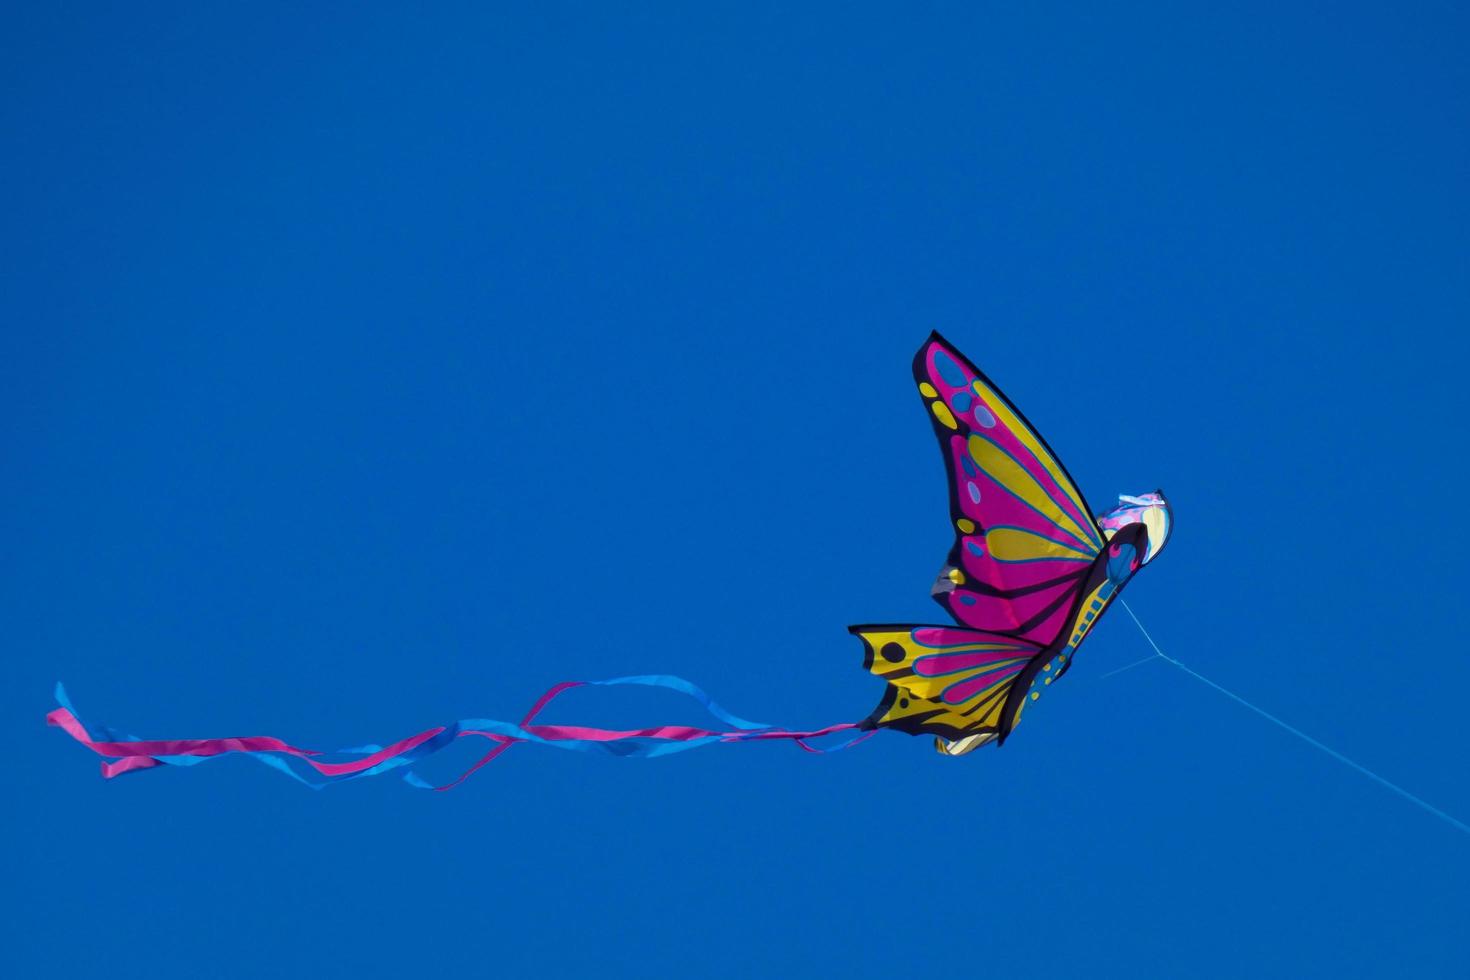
(927, 390)
(966, 525)
(956, 576)
(1018, 544)
(943, 414)
(1035, 695)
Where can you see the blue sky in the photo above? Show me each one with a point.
(365, 369)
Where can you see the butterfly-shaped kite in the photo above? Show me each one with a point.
(1030, 572)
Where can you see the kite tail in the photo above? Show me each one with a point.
(127, 753)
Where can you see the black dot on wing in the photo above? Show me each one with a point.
(892, 652)
(903, 702)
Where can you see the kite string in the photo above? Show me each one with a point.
(1137, 663)
(1436, 811)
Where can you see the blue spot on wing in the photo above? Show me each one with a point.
(949, 370)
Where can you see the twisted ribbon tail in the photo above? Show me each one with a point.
(125, 753)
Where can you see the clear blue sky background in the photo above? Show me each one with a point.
(366, 368)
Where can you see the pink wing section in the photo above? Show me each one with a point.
(1038, 617)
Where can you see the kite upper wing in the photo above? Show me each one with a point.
(1025, 537)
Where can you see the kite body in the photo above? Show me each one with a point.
(1029, 574)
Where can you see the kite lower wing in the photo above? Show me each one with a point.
(944, 680)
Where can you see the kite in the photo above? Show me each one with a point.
(1030, 573)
